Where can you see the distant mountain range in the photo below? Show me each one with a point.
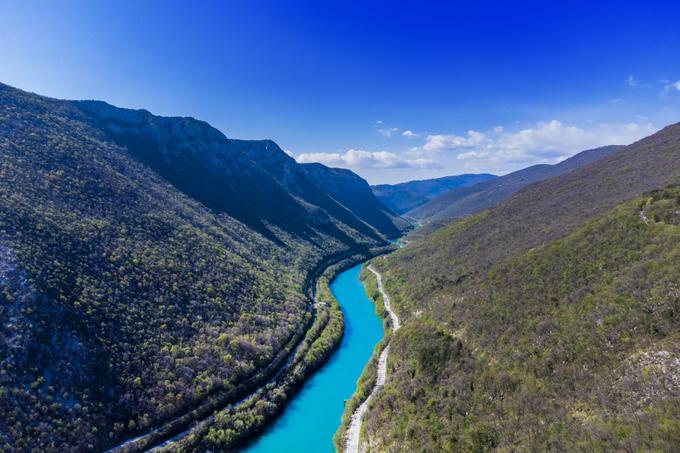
(475, 198)
(407, 196)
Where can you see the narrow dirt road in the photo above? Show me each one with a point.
(354, 430)
(386, 299)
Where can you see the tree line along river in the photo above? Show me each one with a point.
(313, 415)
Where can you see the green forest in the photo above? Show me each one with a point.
(125, 301)
(571, 344)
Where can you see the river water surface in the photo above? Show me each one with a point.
(313, 415)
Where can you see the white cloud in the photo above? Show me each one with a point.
(674, 86)
(410, 134)
(497, 150)
(670, 90)
(631, 81)
(385, 131)
(437, 142)
(388, 131)
(357, 158)
(545, 142)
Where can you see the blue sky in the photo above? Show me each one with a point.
(394, 90)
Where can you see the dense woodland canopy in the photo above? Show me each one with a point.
(550, 322)
(133, 283)
(150, 266)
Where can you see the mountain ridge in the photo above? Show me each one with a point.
(219, 171)
(350, 190)
(475, 198)
(135, 283)
(406, 196)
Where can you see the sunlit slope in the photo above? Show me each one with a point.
(571, 345)
(471, 200)
(548, 322)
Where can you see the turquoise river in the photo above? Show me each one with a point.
(313, 415)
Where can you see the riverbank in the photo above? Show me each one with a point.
(183, 429)
(311, 419)
(348, 436)
(240, 422)
(368, 377)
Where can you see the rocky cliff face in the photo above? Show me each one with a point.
(353, 192)
(254, 181)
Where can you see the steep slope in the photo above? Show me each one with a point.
(469, 200)
(146, 263)
(548, 322)
(253, 181)
(407, 196)
(353, 192)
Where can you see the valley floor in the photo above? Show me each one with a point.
(354, 432)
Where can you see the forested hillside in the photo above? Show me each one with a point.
(253, 181)
(484, 195)
(547, 323)
(352, 191)
(145, 263)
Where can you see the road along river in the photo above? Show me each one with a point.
(313, 415)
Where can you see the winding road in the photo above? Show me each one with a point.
(354, 431)
(386, 300)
